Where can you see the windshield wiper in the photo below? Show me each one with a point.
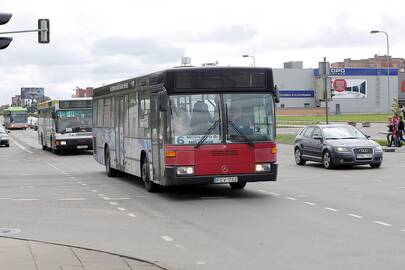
(201, 141)
(249, 141)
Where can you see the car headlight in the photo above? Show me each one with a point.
(342, 149)
(263, 167)
(378, 149)
(185, 170)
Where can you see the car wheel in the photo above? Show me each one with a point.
(238, 185)
(375, 165)
(298, 157)
(149, 185)
(110, 171)
(327, 160)
(7, 145)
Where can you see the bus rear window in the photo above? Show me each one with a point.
(220, 80)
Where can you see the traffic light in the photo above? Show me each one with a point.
(5, 41)
(43, 31)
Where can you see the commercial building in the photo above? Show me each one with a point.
(83, 92)
(365, 89)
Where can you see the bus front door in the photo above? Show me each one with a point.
(119, 133)
(157, 120)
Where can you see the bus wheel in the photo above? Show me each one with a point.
(43, 145)
(55, 151)
(149, 185)
(7, 145)
(238, 185)
(110, 171)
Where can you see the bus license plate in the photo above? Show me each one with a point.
(228, 179)
(364, 156)
(82, 147)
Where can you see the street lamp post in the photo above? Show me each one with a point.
(388, 60)
(254, 61)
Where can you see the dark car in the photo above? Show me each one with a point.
(4, 136)
(336, 145)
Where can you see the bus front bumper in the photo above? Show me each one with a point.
(74, 144)
(173, 179)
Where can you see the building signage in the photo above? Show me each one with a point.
(296, 93)
(359, 72)
(349, 88)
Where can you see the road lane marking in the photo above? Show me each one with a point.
(5, 198)
(310, 203)
(403, 230)
(167, 238)
(354, 215)
(21, 147)
(121, 209)
(200, 262)
(331, 209)
(94, 190)
(25, 199)
(291, 198)
(179, 246)
(401, 187)
(268, 193)
(56, 168)
(72, 199)
(116, 199)
(106, 198)
(101, 195)
(382, 223)
(114, 203)
(83, 184)
(131, 215)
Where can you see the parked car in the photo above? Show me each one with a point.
(335, 145)
(4, 136)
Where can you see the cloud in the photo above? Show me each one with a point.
(226, 34)
(149, 51)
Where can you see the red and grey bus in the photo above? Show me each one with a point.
(189, 125)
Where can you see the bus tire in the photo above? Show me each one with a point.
(149, 185)
(110, 171)
(42, 143)
(237, 185)
(7, 145)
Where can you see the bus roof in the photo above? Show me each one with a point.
(53, 102)
(15, 109)
(207, 79)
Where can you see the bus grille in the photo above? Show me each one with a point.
(221, 153)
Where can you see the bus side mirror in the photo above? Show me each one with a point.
(276, 94)
(163, 101)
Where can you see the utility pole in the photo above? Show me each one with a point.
(326, 85)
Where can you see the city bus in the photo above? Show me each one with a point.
(65, 124)
(189, 125)
(15, 118)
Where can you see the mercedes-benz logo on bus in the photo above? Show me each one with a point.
(224, 168)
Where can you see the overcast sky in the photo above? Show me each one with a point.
(95, 42)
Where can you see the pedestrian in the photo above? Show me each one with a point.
(389, 133)
(400, 131)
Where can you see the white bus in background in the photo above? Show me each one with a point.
(65, 124)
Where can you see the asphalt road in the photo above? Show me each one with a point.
(311, 218)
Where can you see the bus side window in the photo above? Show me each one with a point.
(133, 115)
(144, 113)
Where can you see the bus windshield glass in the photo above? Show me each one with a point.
(250, 117)
(192, 118)
(197, 119)
(18, 118)
(68, 121)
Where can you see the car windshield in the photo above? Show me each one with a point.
(68, 121)
(342, 132)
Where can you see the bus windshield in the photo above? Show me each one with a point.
(197, 118)
(68, 121)
(18, 118)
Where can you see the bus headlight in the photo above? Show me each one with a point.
(62, 142)
(186, 170)
(263, 167)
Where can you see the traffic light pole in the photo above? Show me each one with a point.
(325, 80)
(24, 31)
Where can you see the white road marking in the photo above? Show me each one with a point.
(116, 199)
(56, 168)
(291, 198)
(106, 198)
(113, 203)
(403, 230)
(310, 203)
(121, 209)
(94, 190)
(72, 199)
(382, 223)
(268, 193)
(401, 187)
(331, 209)
(179, 246)
(71, 177)
(83, 184)
(25, 199)
(5, 198)
(354, 215)
(131, 215)
(167, 238)
(79, 182)
(101, 195)
(200, 262)
(22, 147)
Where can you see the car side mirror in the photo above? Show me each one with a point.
(163, 101)
(319, 138)
(368, 136)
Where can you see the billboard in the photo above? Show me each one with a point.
(32, 93)
(349, 88)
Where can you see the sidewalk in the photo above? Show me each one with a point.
(16, 254)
